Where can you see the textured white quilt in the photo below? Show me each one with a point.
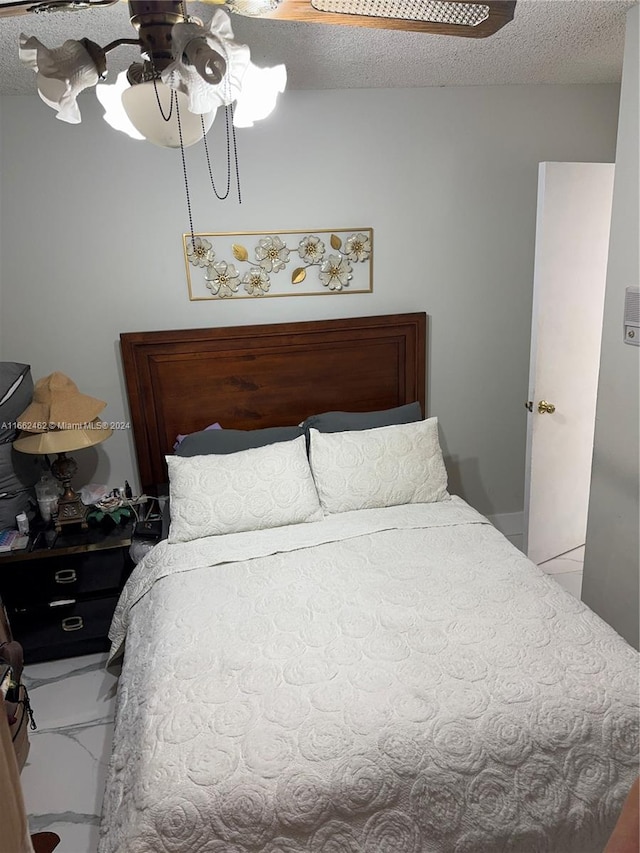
(394, 680)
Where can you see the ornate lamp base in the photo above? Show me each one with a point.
(71, 510)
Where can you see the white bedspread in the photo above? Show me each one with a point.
(399, 680)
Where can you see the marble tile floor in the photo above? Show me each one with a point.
(63, 780)
(74, 703)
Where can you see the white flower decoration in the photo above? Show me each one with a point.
(222, 279)
(256, 282)
(358, 247)
(311, 249)
(200, 252)
(335, 272)
(272, 254)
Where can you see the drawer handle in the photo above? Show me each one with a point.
(65, 576)
(72, 623)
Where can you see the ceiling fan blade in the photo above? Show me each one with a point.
(19, 7)
(467, 18)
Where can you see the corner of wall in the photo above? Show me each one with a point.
(611, 576)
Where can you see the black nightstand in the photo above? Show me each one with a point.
(60, 600)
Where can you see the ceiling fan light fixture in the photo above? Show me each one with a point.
(203, 65)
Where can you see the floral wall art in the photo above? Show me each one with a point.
(286, 263)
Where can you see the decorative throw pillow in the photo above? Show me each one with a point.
(254, 489)
(388, 466)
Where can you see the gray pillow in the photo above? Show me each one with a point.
(18, 473)
(16, 392)
(223, 441)
(350, 421)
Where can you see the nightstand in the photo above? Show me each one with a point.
(60, 600)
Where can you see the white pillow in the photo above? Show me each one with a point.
(386, 466)
(250, 490)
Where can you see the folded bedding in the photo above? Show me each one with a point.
(390, 680)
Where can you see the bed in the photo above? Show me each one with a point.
(387, 676)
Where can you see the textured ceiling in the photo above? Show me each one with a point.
(549, 41)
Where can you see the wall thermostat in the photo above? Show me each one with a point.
(632, 316)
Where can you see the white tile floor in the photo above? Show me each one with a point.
(74, 703)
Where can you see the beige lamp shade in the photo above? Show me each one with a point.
(57, 403)
(63, 440)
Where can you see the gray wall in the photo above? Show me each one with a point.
(612, 553)
(92, 224)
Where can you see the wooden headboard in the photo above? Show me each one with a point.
(249, 377)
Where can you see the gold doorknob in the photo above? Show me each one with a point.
(544, 407)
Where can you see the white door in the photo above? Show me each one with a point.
(572, 243)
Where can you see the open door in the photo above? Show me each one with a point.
(572, 245)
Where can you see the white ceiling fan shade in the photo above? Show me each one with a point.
(260, 90)
(184, 77)
(141, 106)
(51, 90)
(62, 73)
(253, 89)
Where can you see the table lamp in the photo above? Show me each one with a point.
(60, 419)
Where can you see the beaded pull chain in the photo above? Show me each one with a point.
(173, 95)
(231, 135)
(231, 141)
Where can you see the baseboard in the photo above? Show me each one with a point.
(511, 525)
(508, 523)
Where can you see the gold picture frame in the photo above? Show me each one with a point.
(255, 264)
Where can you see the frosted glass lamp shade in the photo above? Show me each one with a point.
(141, 106)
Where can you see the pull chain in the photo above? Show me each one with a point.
(235, 153)
(219, 195)
(231, 138)
(173, 95)
(231, 143)
(186, 179)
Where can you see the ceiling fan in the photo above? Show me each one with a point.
(466, 18)
(188, 69)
